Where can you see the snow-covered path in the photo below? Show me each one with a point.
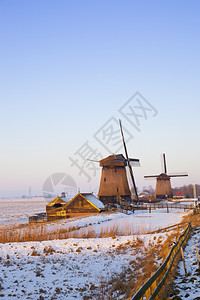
(188, 286)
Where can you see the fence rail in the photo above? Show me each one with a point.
(163, 205)
(169, 228)
(153, 285)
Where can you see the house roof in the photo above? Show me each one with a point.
(93, 200)
(65, 199)
(58, 200)
(144, 194)
(180, 194)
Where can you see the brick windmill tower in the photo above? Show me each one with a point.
(163, 182)
(114, 186)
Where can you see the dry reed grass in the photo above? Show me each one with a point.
(44, 232)
(141, 268)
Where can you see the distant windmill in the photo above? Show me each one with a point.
(163, 183)
(114, 184)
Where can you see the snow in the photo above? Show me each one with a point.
(17, 210)
(74, 268)
(188, 285)
(67, 200)
(138, 223)
(94, 200)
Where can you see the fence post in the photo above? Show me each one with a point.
(148, 293)
(159, 278)
(197, 255)
(153, 286)
(184, 265)
(177, 232)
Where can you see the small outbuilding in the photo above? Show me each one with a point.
(58, 202)
(82, 204)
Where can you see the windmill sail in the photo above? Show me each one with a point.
(165, 166)
(151, 176)
(133, 161)
(128, 161)
(181, 175)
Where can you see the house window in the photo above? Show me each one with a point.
(104, 179)
(81, 203)
(117, 189)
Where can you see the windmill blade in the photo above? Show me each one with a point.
(180, 175)
(93, 160)
(165, 165)
(128, 162)
(151, 176)
(134, 159)
(135, 163)
(130, 159)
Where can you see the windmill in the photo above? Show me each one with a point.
(163, 183)
(129, 160)
(114, 184)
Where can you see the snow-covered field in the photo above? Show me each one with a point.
(75, 268)
(17, 210)
(65, 269)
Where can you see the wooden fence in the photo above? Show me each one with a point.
(153, 285)
(151, 206)
(178, 227)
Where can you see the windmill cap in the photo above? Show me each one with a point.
(163, 176)
(115, 160)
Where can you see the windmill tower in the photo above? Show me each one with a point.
(163, 182)
(114, 186)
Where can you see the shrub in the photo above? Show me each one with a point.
(35, 253)
(48, 250)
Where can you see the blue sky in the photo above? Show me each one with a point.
(67, 67)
